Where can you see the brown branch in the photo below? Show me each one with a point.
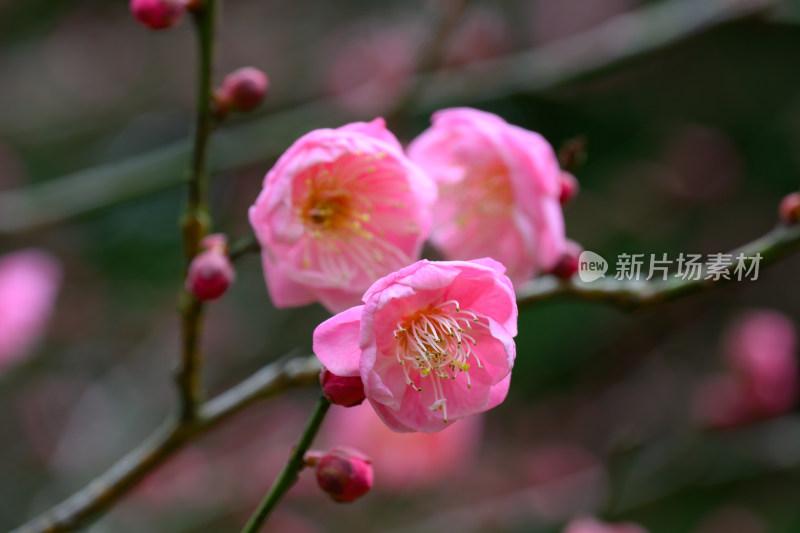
(632, 295)
(196, 219)
(108, 488)
(293, 372)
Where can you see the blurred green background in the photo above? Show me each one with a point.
(690, 147)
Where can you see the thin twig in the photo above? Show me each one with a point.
(633, 295)
(291, 470)
(244, 246)
(196, 218)
(282, 375)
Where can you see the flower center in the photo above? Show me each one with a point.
(435, 342)
(485, 191)
(328, 209)
(343, 206)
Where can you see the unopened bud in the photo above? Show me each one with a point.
(211, 271)
(241, 90)
(567, 266)
(158, 14)
(344, 474)
(569, 188)
(340, 390)
(789, 209)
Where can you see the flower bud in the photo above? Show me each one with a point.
(339, 390)
(158, 14)
(210, 272)
(789, 209)
(567, 266)
(569, 188)
(344, 474)
(241, 90)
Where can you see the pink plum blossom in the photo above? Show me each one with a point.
(432, 343)
(761, 348)
(761, 379)
(341, 208)
(592, 525)
(29, 282)
(499, 190)
(404, 460)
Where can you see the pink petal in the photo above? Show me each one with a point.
(336, 342)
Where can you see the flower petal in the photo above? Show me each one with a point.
(336, 342)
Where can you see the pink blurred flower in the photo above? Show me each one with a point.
(761, 353)
(484, 33)
(370, 70)
(499, 189)
(29, 282)
(592, 525)
(341, 208)
(761, 347)
(404, 460)
(432, 343)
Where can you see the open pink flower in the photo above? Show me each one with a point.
(499, 188)
(341, 208)
(432, 343)
(29, 282)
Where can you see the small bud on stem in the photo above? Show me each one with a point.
(569, 188)
(345, 391)
(158, 14)
(789, 209)
(241, 90)
(344, 474)
(568, 265)
(211, 271)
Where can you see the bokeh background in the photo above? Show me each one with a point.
(691, 143)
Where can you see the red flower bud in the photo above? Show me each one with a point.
(210, 272)
(339, 390)
(789, 209)
(344, 474)
(569, 188)
(158, 14)
(241, 90)
(568, 264)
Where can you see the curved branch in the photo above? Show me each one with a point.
(292, 372)
(108, 488)
(632, 295)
